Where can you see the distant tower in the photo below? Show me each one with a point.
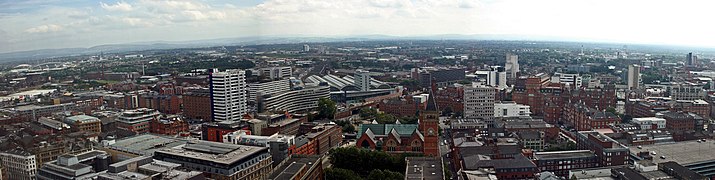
(362, 80)
(306, 48)
(691, 60)
(634, 72)
(511, 66)
(581, 51)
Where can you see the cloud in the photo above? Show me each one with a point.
(44, 28)
(119, 6)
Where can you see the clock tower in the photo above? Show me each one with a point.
(429, 127)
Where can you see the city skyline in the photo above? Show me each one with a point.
(50, 24)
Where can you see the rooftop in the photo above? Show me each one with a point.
(82, 119)
(146, 144)
(293, 166)
(220, 153)
(577, 154)
(419, 168)
(685, 152)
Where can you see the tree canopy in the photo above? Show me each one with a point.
(327, 108)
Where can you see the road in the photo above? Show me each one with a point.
(444, 147)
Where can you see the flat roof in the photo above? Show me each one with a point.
(419, 168)
(293, 166)
(82, 118)
(563, 155)
(684, 152)
(216, 152)
(146, 144)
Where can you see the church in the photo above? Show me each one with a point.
(420, 138)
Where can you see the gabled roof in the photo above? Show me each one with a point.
(384, 129)
(419, 135)
(394, 133)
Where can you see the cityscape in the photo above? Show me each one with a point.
(335, 106)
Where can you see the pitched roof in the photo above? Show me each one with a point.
(384, 129)
(431, 104)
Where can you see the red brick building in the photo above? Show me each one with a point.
(555, 95)
(214, 131)
(197, 104)
(699, 107)
(679, 121)
(172, 125)
(527, 90)
(401, 107)
(600, 97)
(584, 118)
(169, 104)
(286, 126)
(319, 140)
(450, 97)
(399, 138)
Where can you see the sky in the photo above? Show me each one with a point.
(50, 24)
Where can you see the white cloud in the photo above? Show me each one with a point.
(119, 6)
(44, 28)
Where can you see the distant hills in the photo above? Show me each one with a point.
(158, 45)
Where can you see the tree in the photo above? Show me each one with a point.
(327, 108)
(377, 174)
(363, 161)
(347, 127)
(340, 174)
(611, 110)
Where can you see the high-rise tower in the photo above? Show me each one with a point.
(228, 95)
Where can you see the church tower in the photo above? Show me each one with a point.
(429, 127)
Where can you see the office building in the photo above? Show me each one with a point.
(440, 76)
(85, 123)
(267, 88)
(306, 48)
(19, 164)
(495, 76)
(479, 103)
(137, 120)
(220, 160)
(298, 100)
(141, 145)
(228, 95)
(512, 66)
(271, 73)
(71, 167)
(571, 80)
(197, 104)
(561, 162)
(145, 168)
(511, 109)
(362, 80)
(686, 91)
(649, 123)
(634, 76)
(608, 151)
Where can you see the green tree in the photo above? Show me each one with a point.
(377, 174)
(611, 110)
(363, 161)
(327, 108)
(346, 125)
(340, 174)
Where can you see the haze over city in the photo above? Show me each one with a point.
(48, 24)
